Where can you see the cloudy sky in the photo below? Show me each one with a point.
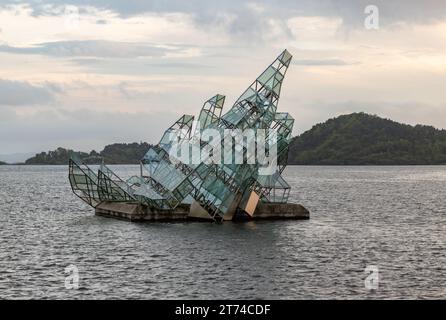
(82, 74)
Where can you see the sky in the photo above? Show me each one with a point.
(83, 74)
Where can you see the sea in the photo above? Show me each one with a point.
(373, 233)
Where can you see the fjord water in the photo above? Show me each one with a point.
(393, 218)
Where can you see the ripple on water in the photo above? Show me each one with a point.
(391, 217)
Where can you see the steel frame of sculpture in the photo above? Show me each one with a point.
(165, 180)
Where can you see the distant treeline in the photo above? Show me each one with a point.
(117, 153)
(354, 139)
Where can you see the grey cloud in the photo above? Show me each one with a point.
(142, 67)
(91, 48)
(18, 93)
(208, 11)
(244, 22)
(321, 62)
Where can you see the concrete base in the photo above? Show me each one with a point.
(136, 212)
(277, 211)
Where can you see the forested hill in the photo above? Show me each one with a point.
(354, 139)
(117, 153)
(363, 139)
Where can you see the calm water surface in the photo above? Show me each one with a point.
(390, 217)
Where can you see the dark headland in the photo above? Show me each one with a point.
(353, 139)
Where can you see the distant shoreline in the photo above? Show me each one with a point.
(356, 139)
(288, 165)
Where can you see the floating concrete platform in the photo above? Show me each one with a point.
(137, 212)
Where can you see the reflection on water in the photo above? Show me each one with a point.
(391, 217)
